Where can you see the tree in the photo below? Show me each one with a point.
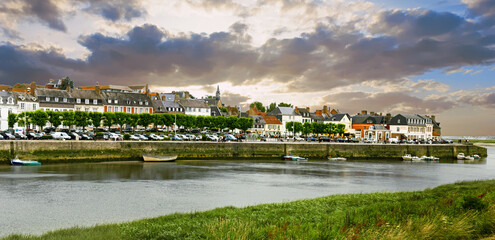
(108, 118)
(340, 128)
(318, 128)
(272, 107)
(68, 118)
(66, 82)
(307, 128)
(231, 123)
(289, 126)
(145, 119)
(298, 127)
(39, 118)
(132, 120)
(258, 106)
(282, 104)
(54, 118)
(245, 123)
(120, 118)
(12, 120)
(81, 119)
(23, 119)
(96, 118)
(223, 109)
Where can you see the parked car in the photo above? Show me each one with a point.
(175, 138)
(184, 137)
(191, 137)
(135, 137)
(155, 137)
(74, 136)
(20, 136)
(325, 139)
(212, 137)
(1, 137)
(230, 137)
(298, 139)
(60, 136)
(113, 136)
(85, 137)
(311, 139)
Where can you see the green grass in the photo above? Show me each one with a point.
(464, 210)
(481, 141)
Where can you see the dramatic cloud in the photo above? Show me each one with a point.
(115, 10)
(476, 98)
(46, 11)
(234, 99)
(354, 102)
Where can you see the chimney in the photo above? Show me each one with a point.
(307, 109)
(433, 118)
(325, 110)
(176, 97)
(364, 112)
(296, 109)
(187, 95)
(372, 113)
(97, 89)
(389, 116)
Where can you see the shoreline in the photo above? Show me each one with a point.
(461, 210)
(50, 151)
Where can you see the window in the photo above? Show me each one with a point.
(86, 109)
(95, 101)
(398, 129)
(116, 101)
(22, 106)
(128, 109)
(65, 99)
(34, 106)
(140, 103)
(78, 100)
(109, 100)
(47, 99)
(86, 101)
(56, 99)
(11, 100)
(146, 103)
(78, 109)
(140, 110)
(398, 120)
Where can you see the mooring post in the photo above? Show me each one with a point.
(12, 150)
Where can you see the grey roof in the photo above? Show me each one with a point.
(316, 118)
(416, 120)
(283, 111)
(379, 128)
(87, 94)
(57, 105)
(161, 106)
(338, 117)
(4, 96)
(370, 119)
(243, 114)
(167, 96)
(25, 97)
(215, 111)
(45, 92)
(258, 120)
(211, 101)
(195, 103)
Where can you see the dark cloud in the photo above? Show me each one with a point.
(114, 10)
(485, 8)
(486, 99)
(354, 102)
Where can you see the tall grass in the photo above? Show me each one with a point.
(464, 210)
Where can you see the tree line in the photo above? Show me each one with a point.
(40, 118)
(315, 128)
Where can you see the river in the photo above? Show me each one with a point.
(37, 199)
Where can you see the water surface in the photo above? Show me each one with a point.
(36, 199)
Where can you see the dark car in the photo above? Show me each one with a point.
(325, 139)
(73, 136)
(312, 139)
(20, 136)
(48, 130)
(7, 136)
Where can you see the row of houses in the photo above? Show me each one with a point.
(139, 99)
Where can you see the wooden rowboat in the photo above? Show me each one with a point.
(159, 158)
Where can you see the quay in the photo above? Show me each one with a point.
(48, 151)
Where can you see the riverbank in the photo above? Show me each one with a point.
(464, 210)
(49, 151)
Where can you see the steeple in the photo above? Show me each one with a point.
(218, 93)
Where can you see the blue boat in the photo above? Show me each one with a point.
(294, 158)
(17, 161)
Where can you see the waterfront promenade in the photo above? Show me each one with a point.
(79, 151)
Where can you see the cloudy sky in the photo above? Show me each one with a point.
(399, 56)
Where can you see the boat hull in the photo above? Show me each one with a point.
(18, 162)
(157, 158)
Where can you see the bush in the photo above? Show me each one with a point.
(47, 137)
(205, 138)
(127, 136)
(474, 203)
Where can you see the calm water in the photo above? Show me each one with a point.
(38, 199)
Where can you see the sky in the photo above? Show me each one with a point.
(433, 57)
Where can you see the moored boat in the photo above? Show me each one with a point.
(337, 159)
(430, 158)
(17, 161)
(476, 156)
(460, 156)
(468, 158)
(159, 158)
(407, 157)
(294, 158)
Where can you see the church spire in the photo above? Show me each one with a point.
(218, 93)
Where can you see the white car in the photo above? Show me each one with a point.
(212, 137)
(134, 137)
(60, 136)
(299, 139)
(155, 137)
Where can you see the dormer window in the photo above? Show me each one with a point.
(116, 101)
(95, 101)
(140, 103)
(47, 99)
(146, 103)
(65, 99)
(398, 120)
(10, 100)
(86, 101)
(56, 99)
(109, 100)
(78, 100)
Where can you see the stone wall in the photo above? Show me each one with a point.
(75, 151)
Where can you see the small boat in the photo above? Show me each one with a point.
(460, 156)
(468, 158)
(407, 157)
(158, 158)
(430, 158)
(476, 156)
(294, 158)
(416, 159)
(17, 161)
(337, 159)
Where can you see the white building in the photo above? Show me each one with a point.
(285, 115)
(195, 107)
(87, 100)
(341, 118)
(8, 104)
(411, 126)
(54, 100)
(26, 102)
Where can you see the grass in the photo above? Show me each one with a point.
(464, 210)
(481, 141)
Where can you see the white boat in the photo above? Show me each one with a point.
(407, 157)
(468, 158)
(337, 159)
(430, 158)
(476, 156)
(17, 161)
(294, 158)
(460, 156)
(158, 158)
(416, 159)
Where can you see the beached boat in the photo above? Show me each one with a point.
(159, 158)
(337, 159)
(460, 156)
(17, 161)
(294, 158)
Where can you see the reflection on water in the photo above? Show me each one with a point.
(47, 197)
